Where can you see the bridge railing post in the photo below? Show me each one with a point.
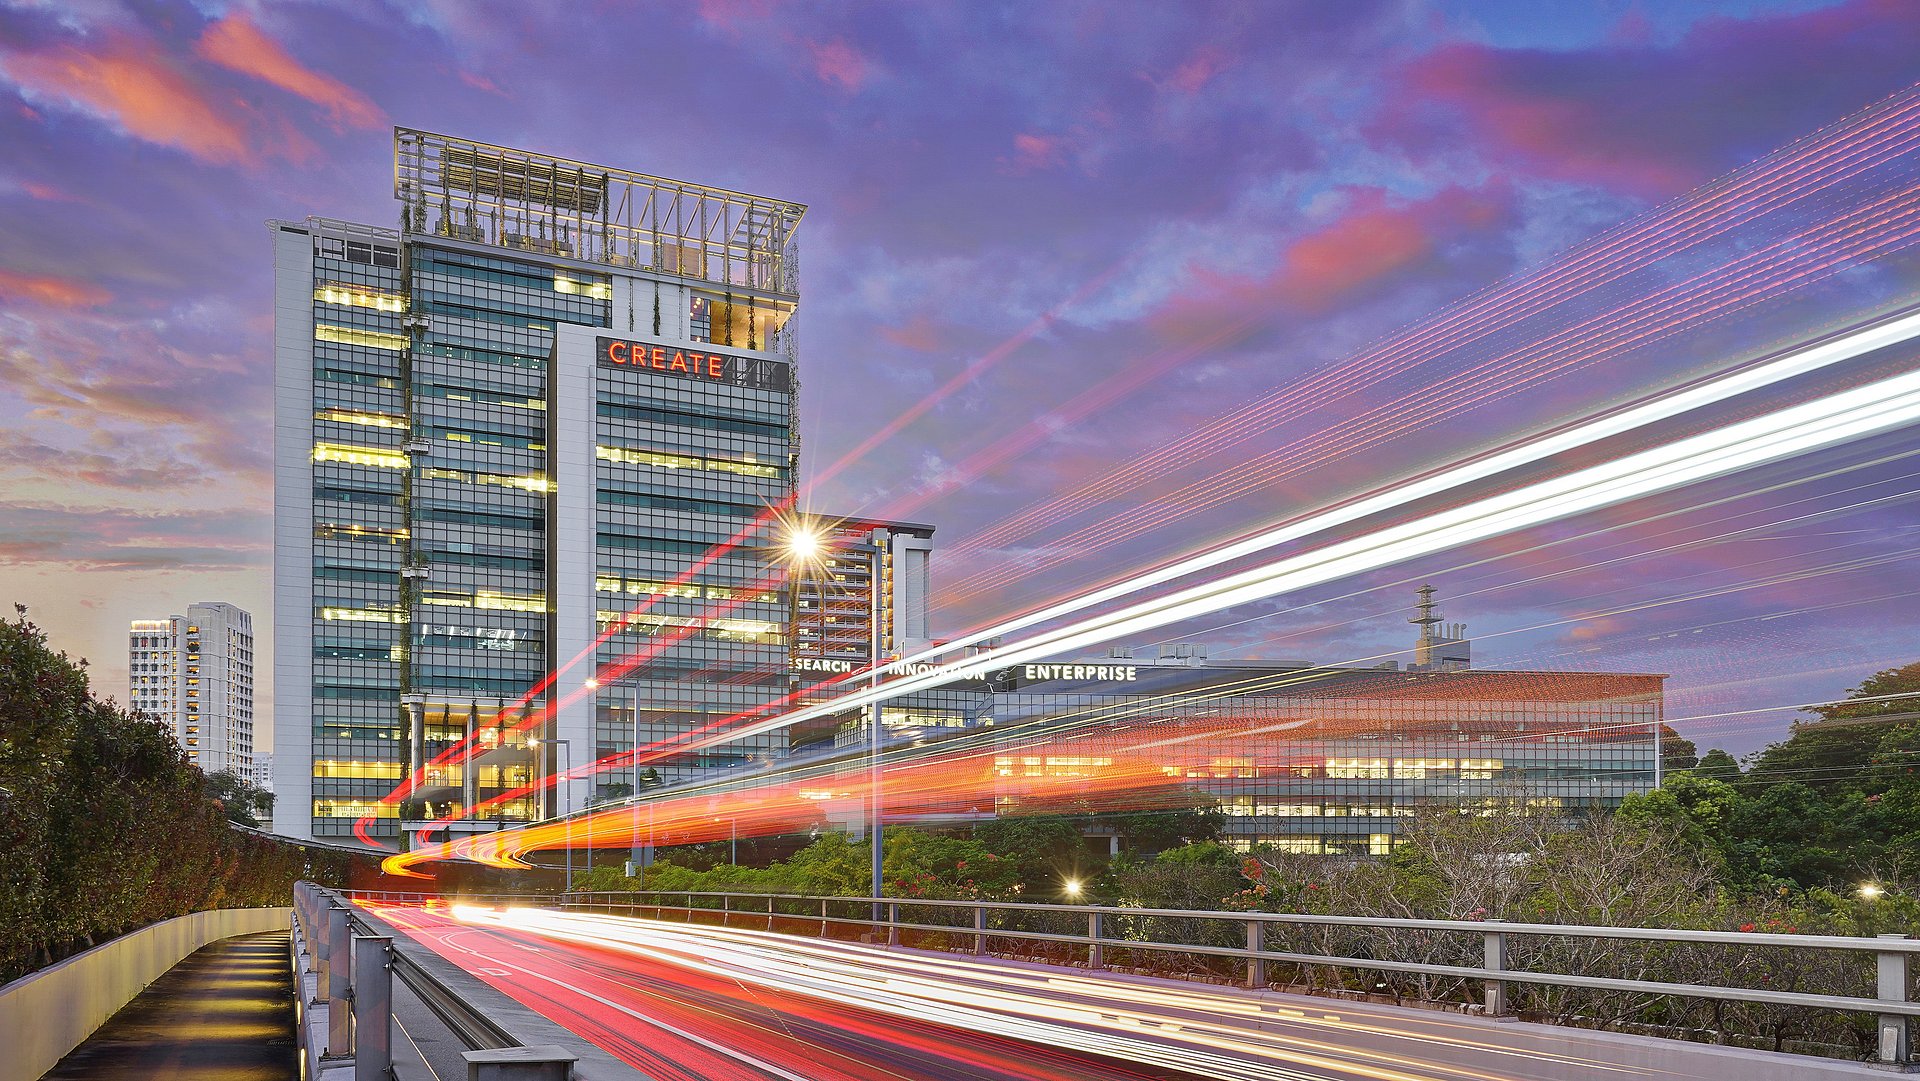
(1895, 1045)
(372, 1008)
(321, 948)
(1256, 964)
(979, 930)
(1495, 947)
(1096, 940)
(339, 983)
(893, 923)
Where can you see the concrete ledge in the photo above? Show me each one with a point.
(49, 1013)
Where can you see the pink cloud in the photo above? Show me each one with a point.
(1376, 239)
(840, 64)
(130, 86)
(50, 290)
(481, 82)
(917, 333)
(237, 44)
(1654, 119)
(735, 15)
(1196, 71)
(47, 193)
(1033, 153)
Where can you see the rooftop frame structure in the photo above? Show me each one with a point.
(497, 195)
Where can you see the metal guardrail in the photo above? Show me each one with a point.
(1893, 954)
(355, 965)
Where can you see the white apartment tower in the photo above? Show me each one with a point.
(195, 673)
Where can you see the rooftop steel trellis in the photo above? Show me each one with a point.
(487, 194)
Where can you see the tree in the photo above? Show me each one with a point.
(238, 798)
(1718, 765)
(104, 824)
(1677, 752)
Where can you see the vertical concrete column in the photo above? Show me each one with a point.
(417, 740)
(372, 1009)
(1894, 1044)
(470, 771)
(339, 983)
(1495, 943)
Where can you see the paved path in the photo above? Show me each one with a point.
(223, 1014)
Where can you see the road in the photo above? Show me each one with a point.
(700, 1002)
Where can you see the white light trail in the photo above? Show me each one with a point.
(1192, 1030)
(1824, 422)
(1796, 363)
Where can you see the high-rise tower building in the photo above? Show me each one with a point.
(841, 608)
(545, 419)
(195, 673)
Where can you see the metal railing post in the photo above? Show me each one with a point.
(372, 1009)
(1895, 1045)
(893, 923)
(979, 930)
(339, 983)
(1096, 946)
(1496, 961)
(1256, 964)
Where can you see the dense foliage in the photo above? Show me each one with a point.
(1834, 805)
(104, 824)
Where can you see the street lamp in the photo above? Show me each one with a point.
(566, 754)
(1870, 891)
(806, 546)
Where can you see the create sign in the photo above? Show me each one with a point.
(690, 363)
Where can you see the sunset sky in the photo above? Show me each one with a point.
(1130, 219)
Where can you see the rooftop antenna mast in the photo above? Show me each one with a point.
(1427, 619)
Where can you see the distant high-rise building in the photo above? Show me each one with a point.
(840, 606)
(195, 673)
(545, 419)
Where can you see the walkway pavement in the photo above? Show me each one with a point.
(223, 1014)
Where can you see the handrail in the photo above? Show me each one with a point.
(473, 1028)
(1893, 952)
(1656, 934)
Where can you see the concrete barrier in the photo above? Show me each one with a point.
(50, 1012)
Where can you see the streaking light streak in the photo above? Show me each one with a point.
(1211, 1033)
(1824, 422)
(1827, 421)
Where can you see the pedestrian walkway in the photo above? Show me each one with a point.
(223, 1014)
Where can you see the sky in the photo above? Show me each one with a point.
(1203, 265)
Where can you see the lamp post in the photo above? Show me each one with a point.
(566, 753)
(873, 721)
(804, 546)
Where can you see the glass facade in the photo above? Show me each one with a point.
(435, 386)
(1327, 761)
